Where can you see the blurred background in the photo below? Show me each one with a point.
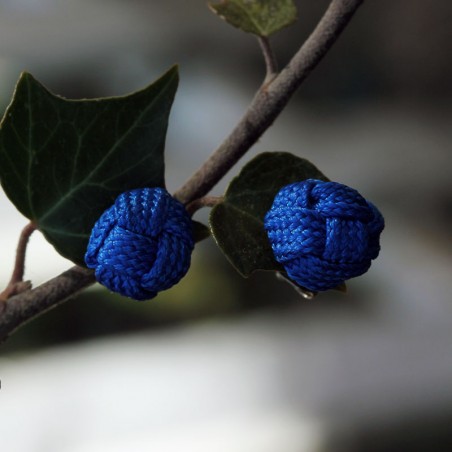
(219, 363)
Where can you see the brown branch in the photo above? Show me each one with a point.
(16, 283)
(269, 101)
(21, 308)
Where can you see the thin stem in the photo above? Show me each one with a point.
(206, 201)
(16, 284)
(269, 101)
(271, 63)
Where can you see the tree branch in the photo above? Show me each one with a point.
(269, 101)
(21, 308)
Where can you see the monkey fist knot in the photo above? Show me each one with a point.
(142, 244)
(323, 233)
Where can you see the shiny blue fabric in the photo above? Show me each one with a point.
(142, 244)
(323, 233)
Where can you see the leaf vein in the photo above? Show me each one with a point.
(111, 151)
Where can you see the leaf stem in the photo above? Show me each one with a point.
(269, 101)
(271, 63)
(206, 201)
(16, 283)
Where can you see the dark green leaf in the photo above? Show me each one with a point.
(305, 293)
(237, 223)
(200, 231)
(260, 17)
(63, 162)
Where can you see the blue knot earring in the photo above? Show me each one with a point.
(142, 244)
(323, 233)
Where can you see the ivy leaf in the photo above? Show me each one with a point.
(200, 231)
(63, 162)
(237, 223)
(260, 17)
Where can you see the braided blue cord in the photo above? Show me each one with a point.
(323, 233)
(142, 244)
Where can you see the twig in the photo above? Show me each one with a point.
(263, 110)
(269, 101)
(16, 283)
(271, 63)
(21, 308)
(206, 201)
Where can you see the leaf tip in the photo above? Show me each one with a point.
(24, 76)
(341, 288)
(171, 76)
(173, 71)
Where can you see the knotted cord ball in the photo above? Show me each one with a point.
(323, 233)
(142, 244)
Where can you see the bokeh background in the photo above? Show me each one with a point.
(224, 364)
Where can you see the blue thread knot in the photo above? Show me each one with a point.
(142, 244)
(323, 233)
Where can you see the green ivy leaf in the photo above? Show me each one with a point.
(63, 162)
(237, 223)
(200, 231)
(260, 17)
